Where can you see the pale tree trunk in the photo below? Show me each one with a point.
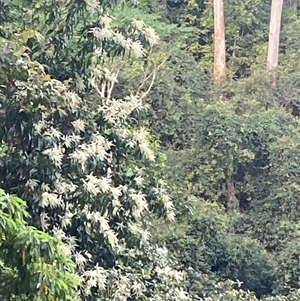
(219, 42)
(274, 36)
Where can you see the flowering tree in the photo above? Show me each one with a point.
(90, 176)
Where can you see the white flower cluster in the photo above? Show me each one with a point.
(122, 283)
(104, 32)
(116, 111)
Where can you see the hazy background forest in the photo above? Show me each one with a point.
(145, 157)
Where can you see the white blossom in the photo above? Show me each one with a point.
(71, 242)
(112, 238)
(73, 99)
(32, 184)
(59, 233)
(105, 184)
(79, 125)
(138, 24)
(116, 192)
(80, 157)
(94, 278)
(45, 221)
(138, 287)
(119, 39)
(181, 294)
(147, 151)
(68, 140)
(102, 33)
(80, 260)
(105, 20)
(137, 49)
(91, 184)
(39, 126)
(64, 187)
(80, 85)
(51, 133)
(66, 219)
(170, 215)
(55, 154)
(151, 36)
(139, 181)
(51, 200)
(140, 202)
(45, 187)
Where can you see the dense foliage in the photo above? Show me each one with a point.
(33, 264)
(142, 179)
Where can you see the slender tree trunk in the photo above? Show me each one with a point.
(232, 201)
(274, 36)
(219, 42)
(295, 5)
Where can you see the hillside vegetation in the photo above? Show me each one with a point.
(150, 151)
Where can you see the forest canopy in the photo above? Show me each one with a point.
(149, 150)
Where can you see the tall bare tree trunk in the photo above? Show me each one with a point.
(274, 36)
(219, 42)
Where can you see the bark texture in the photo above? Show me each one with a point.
(219, 42)
(274, 37)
